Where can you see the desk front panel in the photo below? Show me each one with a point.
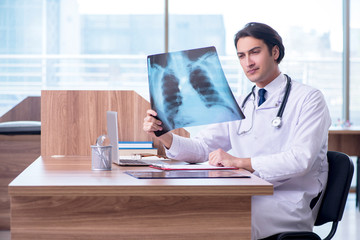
(131, 217)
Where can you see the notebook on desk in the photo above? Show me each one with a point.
(112, 132)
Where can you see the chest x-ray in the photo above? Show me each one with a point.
(189, 88)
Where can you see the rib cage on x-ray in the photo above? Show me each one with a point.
(201, 82)
(172, 97)
(189, 88)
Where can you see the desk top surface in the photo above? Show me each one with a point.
(72, 175)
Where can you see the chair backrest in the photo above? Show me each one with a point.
(341, 170)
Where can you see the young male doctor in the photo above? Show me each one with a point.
(289, 153)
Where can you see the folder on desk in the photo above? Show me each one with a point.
(156, 174)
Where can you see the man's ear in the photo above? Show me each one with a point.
(275, 52)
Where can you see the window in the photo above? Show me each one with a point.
(312, 38)
(354, 62)
(76, 44)
(90, 44)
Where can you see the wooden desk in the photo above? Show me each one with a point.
(347, 141)
(16, 153)
(65, 199)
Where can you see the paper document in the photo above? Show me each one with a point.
(190, 167)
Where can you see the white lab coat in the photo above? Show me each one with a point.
(292, 158)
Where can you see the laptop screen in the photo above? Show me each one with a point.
(112, 132)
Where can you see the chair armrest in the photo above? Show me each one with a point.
(20, 127)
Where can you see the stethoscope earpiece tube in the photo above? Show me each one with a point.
(276, 122)
(248, 96)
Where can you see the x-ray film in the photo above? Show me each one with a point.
(189, 88)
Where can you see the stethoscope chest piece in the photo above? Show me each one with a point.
(276, 122)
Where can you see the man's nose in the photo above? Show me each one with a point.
(248, 61)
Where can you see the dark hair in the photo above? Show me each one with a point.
(264, 32)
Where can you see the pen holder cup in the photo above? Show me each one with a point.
(101, 158)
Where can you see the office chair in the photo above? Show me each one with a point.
(358, 183)
(341, 170)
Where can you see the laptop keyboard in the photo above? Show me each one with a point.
(132, 162)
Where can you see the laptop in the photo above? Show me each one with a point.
(136, 160)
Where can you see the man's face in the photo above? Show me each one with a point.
(258, 63)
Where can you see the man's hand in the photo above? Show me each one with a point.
(151, 124)
(221, 158)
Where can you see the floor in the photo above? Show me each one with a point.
(348, 229)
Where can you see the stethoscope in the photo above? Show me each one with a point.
(277, 121)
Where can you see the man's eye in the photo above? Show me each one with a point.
(241, 56)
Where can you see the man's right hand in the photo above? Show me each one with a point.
(151, 124)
